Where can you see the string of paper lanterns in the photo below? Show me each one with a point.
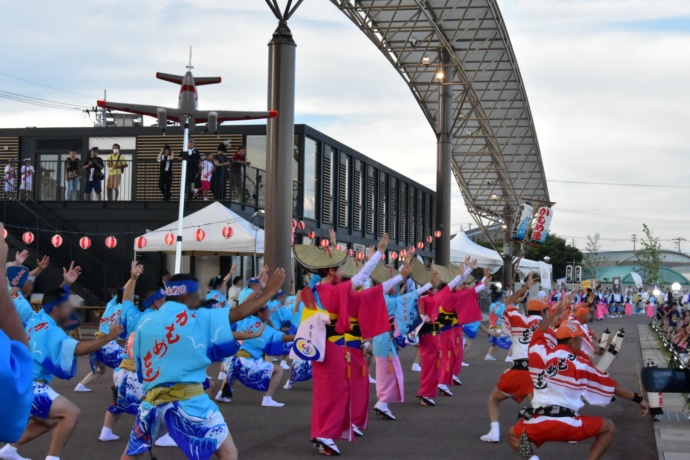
(227, 232)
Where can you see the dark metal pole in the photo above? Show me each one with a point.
(443, 159)
(280, 135)
(507, 248)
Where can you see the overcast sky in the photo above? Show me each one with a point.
(607, 83)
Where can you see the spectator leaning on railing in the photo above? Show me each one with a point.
(72, 168)
(239, 162)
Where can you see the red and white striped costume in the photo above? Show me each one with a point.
(516, 382)
(563, 379)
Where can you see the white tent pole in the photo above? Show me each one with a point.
(180, 216)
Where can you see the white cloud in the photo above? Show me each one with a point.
(605, 82)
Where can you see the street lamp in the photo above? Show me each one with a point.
(547, 259)
(675, 287)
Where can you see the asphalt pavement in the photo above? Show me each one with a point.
(451, 430)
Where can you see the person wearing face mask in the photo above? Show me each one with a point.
(353, 315)
(116, 166)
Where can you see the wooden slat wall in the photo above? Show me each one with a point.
(147, 152)
(9, 148)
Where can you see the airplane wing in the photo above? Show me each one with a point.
(201, 116)
(149, 110)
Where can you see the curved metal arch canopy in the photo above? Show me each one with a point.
(496, 159)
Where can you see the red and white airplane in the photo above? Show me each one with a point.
(187, 104)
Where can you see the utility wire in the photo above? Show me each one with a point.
(618, 184)
(46, 86)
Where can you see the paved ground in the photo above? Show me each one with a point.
(449, 430)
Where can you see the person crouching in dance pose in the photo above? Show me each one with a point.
(515, 382)
(172, 349)
(336, 405)
(248, 365)
(54, 355)
(563, 382)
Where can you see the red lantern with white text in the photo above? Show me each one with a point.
(28, 237)
(110, 242)
(301, 225)
(394, 255)
(227, 232)
(199, 234)
(360, 255)
(338, 247)
(56, 241)
(429, 239)
(294, 223)
(403, 253)
(420, 245)
(324, 243)
(141, 242)
(170, 239)
(437, 233)
(311, 234)
(85, 242)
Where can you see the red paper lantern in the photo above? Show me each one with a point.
(412, 250)
(28, 237)
(394, 255)
(227, 232)
(110, 242)
(85, 242)
(301, 225)
(437, 233)
(294, 223)
(350, 252)
(360, 255)
(420, 245)
(403, 253)
(324, 243)
(141, 242)
(338, 247)
(56, 241)
(199, 234)
(170, 239)
(4, 233)
(311, 234)
(429, 239)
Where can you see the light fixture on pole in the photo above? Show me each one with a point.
(547, 259)
(439, 74)
(675, 287)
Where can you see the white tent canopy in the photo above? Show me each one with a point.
(461, 246)
(246, 238)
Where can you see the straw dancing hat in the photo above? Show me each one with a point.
(445, 275)
(383, 272)
(420, 274)
(313, 258)
(351, 267)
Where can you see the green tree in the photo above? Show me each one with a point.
(559, 252)
(555, 248)
(592, 261)
(649, 256)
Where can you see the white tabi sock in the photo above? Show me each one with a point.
(51, 457)
(495, 428)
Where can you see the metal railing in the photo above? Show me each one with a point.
(144, 180)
